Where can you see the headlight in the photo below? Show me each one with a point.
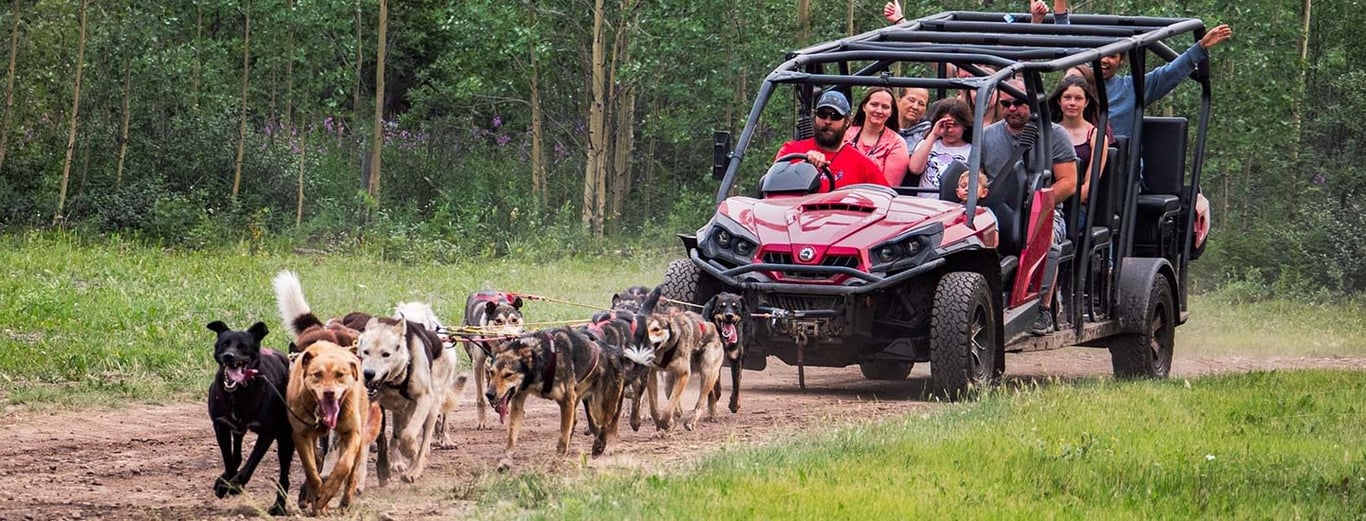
(912, 247)
(723, 238)
(744, 247)
(888, 253)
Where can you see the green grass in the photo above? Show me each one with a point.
(1273, 328)
(82, 321)
(1249, 446)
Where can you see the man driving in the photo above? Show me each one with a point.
(826, 149)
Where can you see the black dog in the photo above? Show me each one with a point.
(248, 395)
(630, 299)
(731, 316)
(615, 331)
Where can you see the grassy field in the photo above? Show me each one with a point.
(81, 322)
(1249, 446)
(85, 320)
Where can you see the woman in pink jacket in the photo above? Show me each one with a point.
(874, 133)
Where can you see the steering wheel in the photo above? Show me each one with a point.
(824, 170)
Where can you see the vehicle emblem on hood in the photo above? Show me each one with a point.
(806, 254)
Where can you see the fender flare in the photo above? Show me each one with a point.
(1137, 276)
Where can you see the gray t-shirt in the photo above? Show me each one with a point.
(999, 148)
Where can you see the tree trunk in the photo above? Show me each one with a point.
(123, 125)
(194, 71)
(851, 18)
(1297, 105)
(539, 181)
(360, 57)
(57, 219)
(242, 114)
(803, 22)
(594, 171)
(377, 143)
(289, 73)
(299, 207)
(625, 142)
(9, 83)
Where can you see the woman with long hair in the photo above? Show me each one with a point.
(1074, 105)
(874, 133)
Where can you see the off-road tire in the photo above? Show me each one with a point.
(1148, 354)
(886, 370)
(686, 282)
(965, 344)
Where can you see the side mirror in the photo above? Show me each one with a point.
(720, 154)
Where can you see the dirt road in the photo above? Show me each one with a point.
(159, 462)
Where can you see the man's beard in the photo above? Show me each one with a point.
(828, 138)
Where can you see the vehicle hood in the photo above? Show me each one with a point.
(849, 218)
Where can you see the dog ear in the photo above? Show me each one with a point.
(305, 358)
(372, 323)
(259, 331)
(218, 326)
(652, 300)
(490, 308)
(293, 348)
(516, 302)
(709, 310)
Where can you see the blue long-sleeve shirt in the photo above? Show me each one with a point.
(1119, 89)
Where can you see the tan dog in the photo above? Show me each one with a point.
(325, 394)
(683, 343)
(561, 365)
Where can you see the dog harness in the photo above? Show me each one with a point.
(549, 375)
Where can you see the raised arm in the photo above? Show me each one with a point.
(1162, 80)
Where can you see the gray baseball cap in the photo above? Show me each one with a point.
(833, 99)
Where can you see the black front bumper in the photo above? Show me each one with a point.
(864, 283)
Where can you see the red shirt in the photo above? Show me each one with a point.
(849, 166)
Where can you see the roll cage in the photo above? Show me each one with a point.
(971, 40)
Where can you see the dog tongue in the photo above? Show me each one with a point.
(236, 375)
(728, 333)
(502, 409)
(330, 408)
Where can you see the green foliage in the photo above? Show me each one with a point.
(457, 143)
(1258, 445)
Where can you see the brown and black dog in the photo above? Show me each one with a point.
(731, 316)
(618, 329)
(300, 320)
(562, 365)
(325, 396)
(499, 314)
(684, 343)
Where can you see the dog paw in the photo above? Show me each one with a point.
(278, 509)
(504, 464)
(408, 478)
(399, 468)
(688, 425)
(223, 487)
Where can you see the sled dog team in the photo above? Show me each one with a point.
(348, 380)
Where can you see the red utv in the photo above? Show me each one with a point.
(879, 277)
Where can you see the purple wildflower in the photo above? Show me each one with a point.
(497, 122)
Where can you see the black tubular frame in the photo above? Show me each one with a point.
(1015, 49)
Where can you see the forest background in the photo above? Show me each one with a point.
(555, 127)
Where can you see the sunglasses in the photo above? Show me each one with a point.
(829, 115)
(1008, 103)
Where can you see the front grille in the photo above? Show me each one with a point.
(804, 302)
(775, 257)
(844, 261)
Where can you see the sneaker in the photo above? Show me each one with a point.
(1043, 324)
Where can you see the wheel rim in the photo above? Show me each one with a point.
(979, 342)
(1158, 338)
